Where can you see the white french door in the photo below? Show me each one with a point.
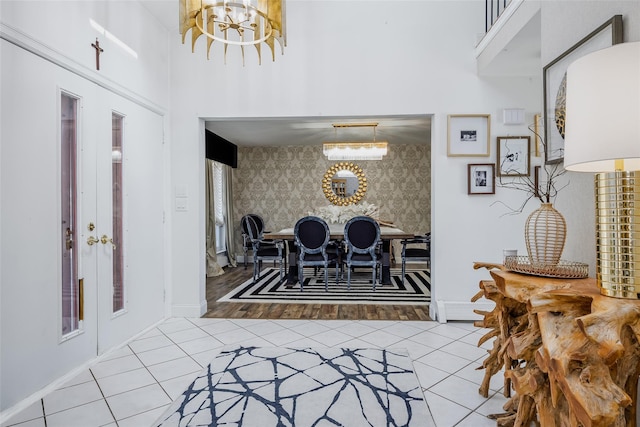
(95, 251)
(128, 183)
(121, 211)
(118, 217)
(57, 165)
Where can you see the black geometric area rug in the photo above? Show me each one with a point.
(270, 289)
(304, 387)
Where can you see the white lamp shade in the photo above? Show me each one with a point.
(603, 110)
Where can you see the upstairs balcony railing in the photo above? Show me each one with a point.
(493, 10)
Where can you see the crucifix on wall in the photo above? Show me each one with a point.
(99, 50)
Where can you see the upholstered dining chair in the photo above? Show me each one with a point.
(417, 249)
(362, 240)
(246, 241)
(312, 237)
(263, 250)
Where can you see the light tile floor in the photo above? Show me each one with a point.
(133, 385)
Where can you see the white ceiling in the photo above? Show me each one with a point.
(166, 11)
(523, 52)
(520, 55)
(315, 130)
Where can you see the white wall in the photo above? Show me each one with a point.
(382, 59)
(63, 29)
(46, 46)
(469, 228)
(386, 58)
(481, 233)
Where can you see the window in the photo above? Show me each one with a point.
(219, 200)
(70, 294)
(117, 122)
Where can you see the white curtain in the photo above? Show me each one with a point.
(228, 214)
(213, 268)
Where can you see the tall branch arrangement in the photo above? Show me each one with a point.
(544, 190)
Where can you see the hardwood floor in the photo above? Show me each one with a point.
(221, 285)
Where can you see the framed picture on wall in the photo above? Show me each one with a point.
(538, 124)
(554, 80)
(468, 135)
(513, 155)
(481, 178)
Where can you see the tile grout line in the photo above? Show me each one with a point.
(146, 367)
(471, 410)
(104, 397)
(44, 415)
(152, 376)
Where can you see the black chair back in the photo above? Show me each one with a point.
(312, 238)
(362, 238)
(263, 250)
(362, 234)
(420, 251)
(252, 226)
(312, 234)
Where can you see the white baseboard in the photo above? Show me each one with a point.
(461, 310)
(189, 310)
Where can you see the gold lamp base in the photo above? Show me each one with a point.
(618, 233)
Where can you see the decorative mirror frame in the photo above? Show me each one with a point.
(344, 201)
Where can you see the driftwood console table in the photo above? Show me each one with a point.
(570, 354)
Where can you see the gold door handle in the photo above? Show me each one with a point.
(91, 240)
(106, 239)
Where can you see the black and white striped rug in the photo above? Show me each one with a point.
(269, 289)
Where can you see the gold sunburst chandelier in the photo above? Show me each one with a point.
(242, 23)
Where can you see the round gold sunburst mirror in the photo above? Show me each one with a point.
(344, 184)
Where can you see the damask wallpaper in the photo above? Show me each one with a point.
(283, 184)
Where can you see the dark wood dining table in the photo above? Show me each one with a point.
(336, 231)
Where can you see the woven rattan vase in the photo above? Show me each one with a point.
(545, 233)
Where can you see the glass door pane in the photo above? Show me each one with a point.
(68, 146)
(117, 122)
